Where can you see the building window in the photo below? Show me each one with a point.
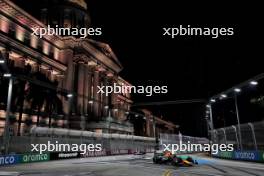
(4, 25)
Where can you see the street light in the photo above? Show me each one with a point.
(213, 100)
(106, 107)
(2, 61)
(253, 83)
(90, 102)
(223, 95)
(7, 75)
(69, 95)
(237, 90)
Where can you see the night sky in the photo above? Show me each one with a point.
(192, 67)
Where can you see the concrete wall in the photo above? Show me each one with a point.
(22, 144)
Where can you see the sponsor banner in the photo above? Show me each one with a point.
(257, 156)
(247, 155)
(29, 158)
(94, 154)
(225, 154)
(261, 156)
(64, 155)
(9, 159)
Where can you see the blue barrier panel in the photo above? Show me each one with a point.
(9, 159)
(247, 155)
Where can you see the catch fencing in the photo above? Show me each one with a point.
(249, 136)
(112, 144)
(172, 139)
(247, 140)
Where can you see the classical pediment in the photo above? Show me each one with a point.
(106, 50)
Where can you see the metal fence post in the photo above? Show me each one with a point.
(216, 136)
(253, 135)
(224, 135)
(236, 136)
(238, 124)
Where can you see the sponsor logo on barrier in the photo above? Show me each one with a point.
(8, 159)
(228, 155)
(28, 158)
(68, 155)
(246, 155)
(242, 155)
(64, 155)
(94, 154)
(261, 154)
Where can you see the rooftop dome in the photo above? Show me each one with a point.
(80, 3)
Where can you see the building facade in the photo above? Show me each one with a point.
(56, 78)
(70, 70)
(155, 125)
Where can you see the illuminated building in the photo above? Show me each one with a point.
(77, 65)
(57, 77)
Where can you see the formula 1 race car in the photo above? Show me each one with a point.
(167, 157)
(183, 161)
(161, 157)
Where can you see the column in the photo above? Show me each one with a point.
(105, 100)
(68, 82)
(113, 100)
(80, 88)
(96, 96)
(87, 88)
(90, 93)
(148, 126)
(100, 98)
(69, 77)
